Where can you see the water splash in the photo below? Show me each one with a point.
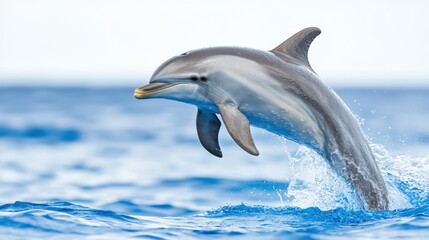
(315, 184)
(406, 177)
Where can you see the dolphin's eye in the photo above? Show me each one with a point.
(193, 78)
(184, 54)
(203, 78)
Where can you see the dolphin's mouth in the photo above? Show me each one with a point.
(150, 89)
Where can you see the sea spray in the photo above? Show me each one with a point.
(315, 184)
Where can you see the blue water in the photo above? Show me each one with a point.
(94, 163)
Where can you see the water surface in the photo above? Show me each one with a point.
(94, 163)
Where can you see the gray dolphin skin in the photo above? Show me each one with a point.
(275, 90)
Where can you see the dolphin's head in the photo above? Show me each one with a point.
(182, 78)
(193, 77)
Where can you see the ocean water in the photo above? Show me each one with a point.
(95, 163)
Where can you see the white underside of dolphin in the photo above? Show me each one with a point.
(275, 90)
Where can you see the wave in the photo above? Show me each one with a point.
(158, 210)
(70, 221)
(22, 219)
(45, 134)
(316, 215)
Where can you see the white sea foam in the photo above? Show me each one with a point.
(314, 183)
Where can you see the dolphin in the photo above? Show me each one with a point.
(276, 90)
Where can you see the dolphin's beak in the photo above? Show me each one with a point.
(147, 90)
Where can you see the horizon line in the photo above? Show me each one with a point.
(135, 81)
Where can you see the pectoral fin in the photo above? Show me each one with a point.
(208, 126)
(238, 127)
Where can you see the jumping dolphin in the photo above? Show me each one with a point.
(275, 90)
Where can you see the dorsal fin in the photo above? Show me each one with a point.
(295, 48)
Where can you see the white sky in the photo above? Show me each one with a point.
(106, 42)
